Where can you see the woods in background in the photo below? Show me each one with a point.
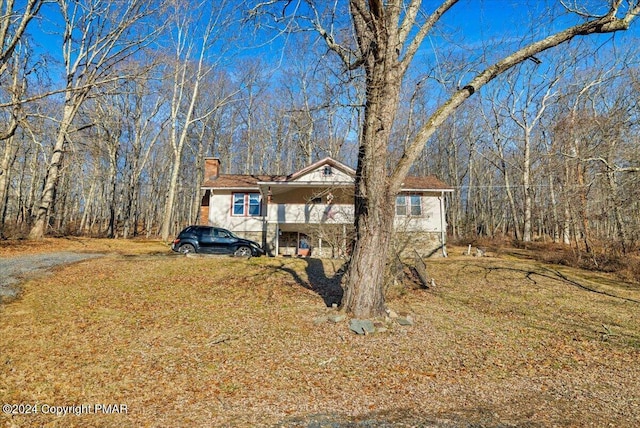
(108, 108)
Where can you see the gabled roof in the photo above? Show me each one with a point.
(322, 162)
(252, 181)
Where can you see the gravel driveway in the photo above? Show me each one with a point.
(16, 269)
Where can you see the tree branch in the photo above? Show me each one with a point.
(609, 23)
(608, 166)
(408, 23)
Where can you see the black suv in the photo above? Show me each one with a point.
(214, 240)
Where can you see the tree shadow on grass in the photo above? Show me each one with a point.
(327, 287)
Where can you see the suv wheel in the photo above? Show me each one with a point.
(243, 252)
(186, 249)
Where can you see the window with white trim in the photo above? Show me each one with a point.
(246, 204)
(409, 205)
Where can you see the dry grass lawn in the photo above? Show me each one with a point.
(229, 342)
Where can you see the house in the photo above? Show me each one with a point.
(311, 211)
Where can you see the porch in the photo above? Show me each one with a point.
(310, 213)
(305, 240)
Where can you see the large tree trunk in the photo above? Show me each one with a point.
(53, 172)
(364, 295)
(114, 147)
(526, 176)
(374, 200)
(6, 164)
(171, 196)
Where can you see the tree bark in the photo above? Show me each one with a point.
(53, 171)
(374, 207)
(6, 164)
(526, 186)
(374, 202)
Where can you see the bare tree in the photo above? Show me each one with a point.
(528, 92)
(96, 37)
(144, 129)
(388, 35)
(194, 61)
(594, 138)
(16, 86)
(13, 25)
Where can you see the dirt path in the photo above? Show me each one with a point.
(15, 270)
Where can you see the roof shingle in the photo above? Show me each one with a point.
(236, 181)
(427, 182)
(229, 181)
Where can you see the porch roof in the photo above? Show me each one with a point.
(255, 182)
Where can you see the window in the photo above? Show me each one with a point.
(238, 204)
(401, 205)
(327, 171)
(254, 204)
(409, 205)
(246, 204)
(416, 206)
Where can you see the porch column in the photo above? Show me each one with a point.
(443, 225)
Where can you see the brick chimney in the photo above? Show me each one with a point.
(204, 208)
(211, 168)
(211, 173)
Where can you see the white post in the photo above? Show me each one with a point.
(344, 240)
(443, 227)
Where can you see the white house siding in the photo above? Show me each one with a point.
(310, 213)
(425, 233)
(319, 204)
(422, 233)
(305, 194)
(429, 221)
(220, 210)
(318, 176)
(245, 226)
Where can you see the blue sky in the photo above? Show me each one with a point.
(484, 26)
